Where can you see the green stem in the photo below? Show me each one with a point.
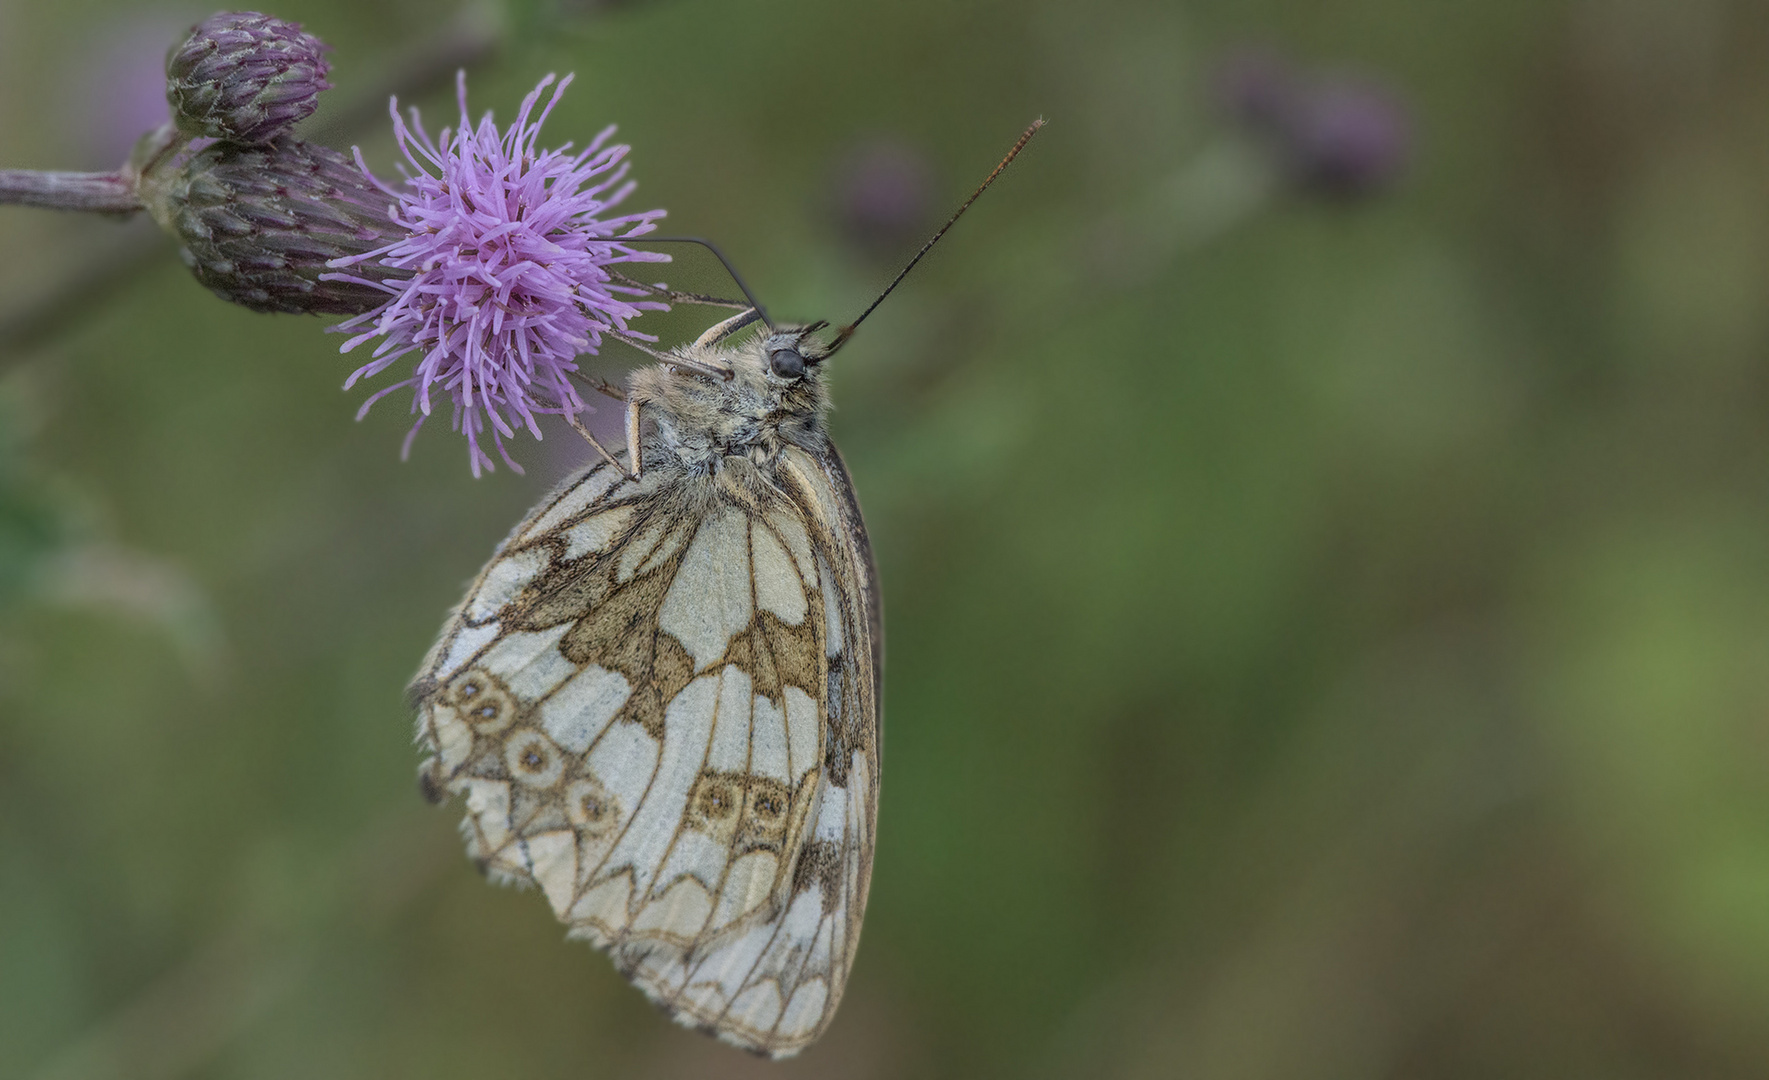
(108, 192)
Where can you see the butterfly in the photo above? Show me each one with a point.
(660, 698)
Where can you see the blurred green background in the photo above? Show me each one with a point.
(1327, 637)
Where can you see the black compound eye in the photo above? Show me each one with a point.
(787, 363)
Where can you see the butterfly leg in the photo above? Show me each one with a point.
(721, 330)
(577, 425)
(601, 386)
(633, 455)
(678, 296)
(674, 360)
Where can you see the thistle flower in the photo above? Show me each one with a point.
(502, 277)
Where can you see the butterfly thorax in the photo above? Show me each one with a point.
(703, 423)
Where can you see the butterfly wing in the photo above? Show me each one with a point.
(774, 986)
(660, 699)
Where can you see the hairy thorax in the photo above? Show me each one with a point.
(705, 425)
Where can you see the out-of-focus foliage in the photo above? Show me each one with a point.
(34, 526)
(1325, 640)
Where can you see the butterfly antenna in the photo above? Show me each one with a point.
(847, 331)
(729, 269)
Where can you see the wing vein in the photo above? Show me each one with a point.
(657, 768)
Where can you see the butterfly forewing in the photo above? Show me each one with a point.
(660, 699)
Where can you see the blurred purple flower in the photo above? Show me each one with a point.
(507, 257)
(123, 95)
(882, 192)
(1340, 136)
(1350, 137)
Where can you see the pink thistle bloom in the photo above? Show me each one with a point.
(502, 280)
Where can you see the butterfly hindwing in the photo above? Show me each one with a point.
(660, 700)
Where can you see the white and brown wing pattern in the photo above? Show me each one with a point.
(660, 699)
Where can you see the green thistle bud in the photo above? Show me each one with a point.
(244, 77)
(259, 223)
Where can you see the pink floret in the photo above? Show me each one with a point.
(507, 257)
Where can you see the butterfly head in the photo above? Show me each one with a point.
(794, 351)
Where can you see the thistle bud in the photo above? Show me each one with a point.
(1336, 136)
(258, 224)
(244, 78)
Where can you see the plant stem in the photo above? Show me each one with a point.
(109, 192)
